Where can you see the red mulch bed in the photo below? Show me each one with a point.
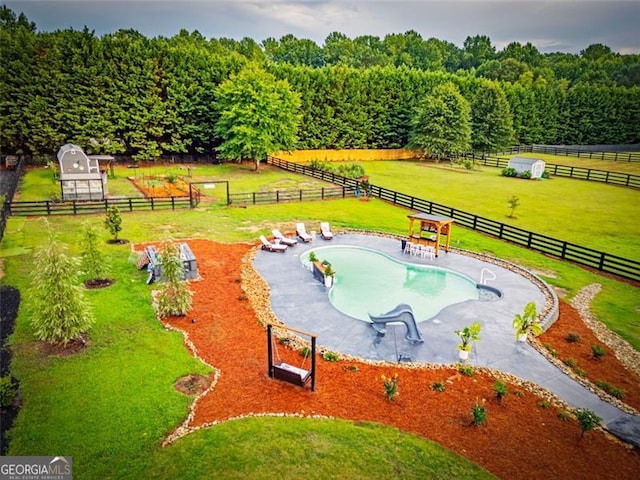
(177, 189)
(519, 440)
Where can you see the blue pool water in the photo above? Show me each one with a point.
(368, 281)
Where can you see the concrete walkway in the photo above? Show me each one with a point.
(300, 301)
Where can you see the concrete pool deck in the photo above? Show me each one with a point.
(301, 301)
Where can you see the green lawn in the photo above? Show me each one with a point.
(111, 406)
(591, 214)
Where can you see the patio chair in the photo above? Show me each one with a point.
(272, 247)
(325, 231)
(290, 242)
(301, 231)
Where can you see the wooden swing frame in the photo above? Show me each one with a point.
(288, 373)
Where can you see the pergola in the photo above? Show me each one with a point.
(428, 229)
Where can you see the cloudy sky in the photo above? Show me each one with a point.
(551, 25)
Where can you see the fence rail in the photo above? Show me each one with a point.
(564, 250)
(285, 196)
(578, 173)
(576, 152)
(78, 207)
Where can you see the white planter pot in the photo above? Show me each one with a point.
(522, 337)
(328, 281)
(463, 354)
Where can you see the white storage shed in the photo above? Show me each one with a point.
(524, 164)
(80, 175)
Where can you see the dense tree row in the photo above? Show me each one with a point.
(123, 93)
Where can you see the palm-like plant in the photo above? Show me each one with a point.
(527, 321)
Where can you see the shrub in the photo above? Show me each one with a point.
(93, 262)
(564, 416)
(617, 392)
(606, 386)
(526, 175)
(330, 356)
(478, 414)
(500, 389)
(509, 172)
(587, 420)
(171, 178)
(305, 351)
(544, 405)
(572, 337)
(580, 372)
(570, 362)
(598, 351)
(546, 175)
(466, 370)
(7, 391)
(390, 386)
(438, 386)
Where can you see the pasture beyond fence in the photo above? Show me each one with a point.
(578, 173)
(599, 152)
(562, 249)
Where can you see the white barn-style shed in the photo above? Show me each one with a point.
(524, 164)
(80, 175)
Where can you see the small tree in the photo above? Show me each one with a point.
(514, 202)
(587, 419)
(113, 222)
(93, 263)
(174, 298)
(59, 313)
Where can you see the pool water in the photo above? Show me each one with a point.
(368, 281)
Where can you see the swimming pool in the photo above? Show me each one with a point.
(368, 281)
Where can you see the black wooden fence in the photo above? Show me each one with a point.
(581, 152)
(562, 249)
(578, 173)
(284, 196)
(77, 207)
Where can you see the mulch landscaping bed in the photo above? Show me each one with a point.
(520, 439)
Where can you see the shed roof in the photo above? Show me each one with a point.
(525, 160)
(66, 147)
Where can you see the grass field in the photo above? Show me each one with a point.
(111, 406)
(632, 168)
(592, 214)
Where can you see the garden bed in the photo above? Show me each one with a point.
(523, 437)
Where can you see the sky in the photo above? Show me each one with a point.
(551, 25)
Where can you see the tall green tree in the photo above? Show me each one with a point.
(93, 261)
(59, 312)
(491, 120)
(175, 296)
(441, 127)
(258, 115)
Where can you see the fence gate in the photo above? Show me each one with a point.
(209, 191)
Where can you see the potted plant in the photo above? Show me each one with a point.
(468, 335)
(328, 275)
(527, 321)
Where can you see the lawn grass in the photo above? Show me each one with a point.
(111, 406)
(591, 214)
(310, 449)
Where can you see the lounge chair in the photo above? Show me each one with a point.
(325, 231)
(301, 231)
(272, 247)
(290, 242)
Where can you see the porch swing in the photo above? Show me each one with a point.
(289, 373)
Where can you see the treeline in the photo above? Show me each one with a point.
(126, 94)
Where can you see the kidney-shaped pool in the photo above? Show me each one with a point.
(368, 281)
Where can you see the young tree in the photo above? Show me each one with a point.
(441, 127)
(113, 222)
(174, 298)
(93, 263)
(258, 115)
(514, 202)
(59, 313)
